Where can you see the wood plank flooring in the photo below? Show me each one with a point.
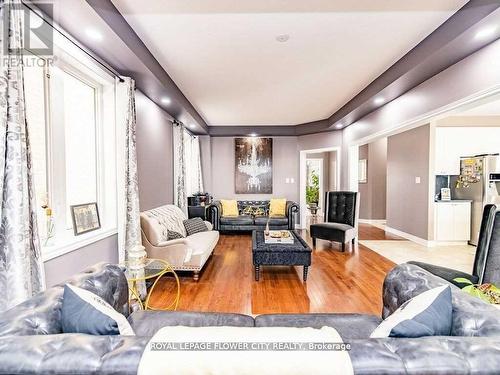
(337, 282)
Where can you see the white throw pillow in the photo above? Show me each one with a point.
(428, 314)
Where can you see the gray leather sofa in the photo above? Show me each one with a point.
(245, 222)
(31, 341)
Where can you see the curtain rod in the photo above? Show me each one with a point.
(113, 73)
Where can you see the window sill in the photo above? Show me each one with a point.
(72, 243)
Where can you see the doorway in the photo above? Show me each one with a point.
(319, 172)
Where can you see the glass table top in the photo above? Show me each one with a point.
(152, 269)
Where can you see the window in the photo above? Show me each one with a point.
(79, 111)
(70, 110)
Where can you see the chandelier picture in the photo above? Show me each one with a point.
(253, 165)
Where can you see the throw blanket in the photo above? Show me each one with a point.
(245, 351)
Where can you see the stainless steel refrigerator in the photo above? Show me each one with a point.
(479, 181)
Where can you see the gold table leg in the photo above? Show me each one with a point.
(175, 303)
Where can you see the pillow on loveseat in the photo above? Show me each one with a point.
(428, 314)
(255, 210)
(84, 312)
(229, 207)
(195, 225)
(277, 207)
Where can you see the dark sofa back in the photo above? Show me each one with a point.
(41, 315)
(243, 204)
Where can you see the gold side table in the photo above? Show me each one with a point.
(154, 269)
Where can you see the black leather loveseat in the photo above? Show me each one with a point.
(32, 342)
(249, 222)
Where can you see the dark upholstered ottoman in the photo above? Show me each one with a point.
(296, 254)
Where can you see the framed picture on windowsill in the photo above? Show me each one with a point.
(85, 218)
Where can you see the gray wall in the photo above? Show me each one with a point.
(377, 178)
(407, 203)
(285, 165)
(373, 192)
(320, 140)
(61, 268)
(154, 154)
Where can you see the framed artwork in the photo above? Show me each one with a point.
(253, 165)
(85, 218)
(445, 194)
(362, 171)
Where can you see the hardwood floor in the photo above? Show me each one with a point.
(337, 282)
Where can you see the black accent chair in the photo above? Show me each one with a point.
(340, 220)
(487, 260)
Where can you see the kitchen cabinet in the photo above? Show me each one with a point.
(452, 221)
(451, 143)
(447, 155)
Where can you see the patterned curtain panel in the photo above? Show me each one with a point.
(188, 175)
(180, 193)
(21, 266)
(129, 226)
(194, 177)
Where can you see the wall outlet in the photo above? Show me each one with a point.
(292, 180)
(417, 180)
(287, 181)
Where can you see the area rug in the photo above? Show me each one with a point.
(456, 257)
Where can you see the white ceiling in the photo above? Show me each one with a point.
(224, 56)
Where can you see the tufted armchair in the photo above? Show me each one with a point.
(486, 267)
(341, 218)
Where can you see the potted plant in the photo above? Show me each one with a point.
(312, 193)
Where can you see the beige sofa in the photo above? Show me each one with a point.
(185, 254)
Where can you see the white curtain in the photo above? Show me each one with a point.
(188, 177)
(21, 266)
(129, 227)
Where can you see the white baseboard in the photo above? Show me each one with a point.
(410, 237)
(371, 221)
(423, 242)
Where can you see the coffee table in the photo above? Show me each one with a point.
(280, 254)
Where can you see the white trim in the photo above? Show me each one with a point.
(427, 117)
(423, 242)
(51, 252)
(372, 221)
(409, 236)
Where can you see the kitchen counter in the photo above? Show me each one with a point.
(455, 201)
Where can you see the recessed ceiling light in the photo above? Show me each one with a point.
(253, 135)
(94, 34)
(283, 38)
(379, 100)
(338, 126)
(486, 32)
(192, 126)
(166, 100)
